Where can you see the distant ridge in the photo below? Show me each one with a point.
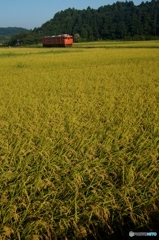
(10, 31)
(119, 21)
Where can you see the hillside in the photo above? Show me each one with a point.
(10, 31)
(7, 33)
(121, 20)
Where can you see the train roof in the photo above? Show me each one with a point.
(62, 35)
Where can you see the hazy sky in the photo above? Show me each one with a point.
(33, 13)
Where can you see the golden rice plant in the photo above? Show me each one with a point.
(79, 142)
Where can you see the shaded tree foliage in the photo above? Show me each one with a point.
(10, 31)
(121, 20)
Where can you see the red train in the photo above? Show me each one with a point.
(64, 40)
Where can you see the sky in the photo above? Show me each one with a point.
(33, 13)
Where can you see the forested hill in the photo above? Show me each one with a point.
(10, 31)
(121, 20)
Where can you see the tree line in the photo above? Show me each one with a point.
(7, 32)
(10, 31)
(121, 20)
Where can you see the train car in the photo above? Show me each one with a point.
(64, 40)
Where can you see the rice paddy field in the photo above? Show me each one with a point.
(79, 141)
